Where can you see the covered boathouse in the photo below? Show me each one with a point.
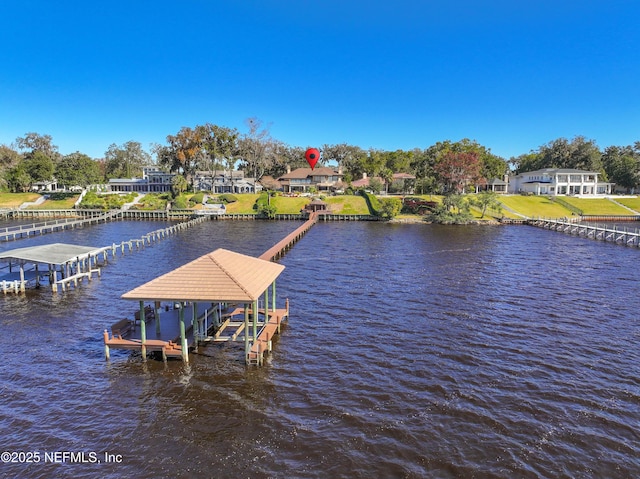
(71, 262)
(214, 298)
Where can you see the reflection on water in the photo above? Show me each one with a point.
(412, 351)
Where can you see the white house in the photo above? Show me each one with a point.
(559, 181)
(226, 182)
(153, 181)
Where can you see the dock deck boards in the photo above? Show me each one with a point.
(168, 341)
(262, 344)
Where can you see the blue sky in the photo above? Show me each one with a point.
(512, 75)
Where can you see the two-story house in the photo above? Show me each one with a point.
(559, 181)
(226, 182)
(153, 180)
(301, 179)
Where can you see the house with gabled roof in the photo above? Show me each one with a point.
(399, 180)
(301, 179)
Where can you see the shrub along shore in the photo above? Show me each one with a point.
(507, 206)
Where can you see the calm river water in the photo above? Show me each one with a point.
(412, 351)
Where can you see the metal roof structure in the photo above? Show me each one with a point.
(219, 276)
(56, 253)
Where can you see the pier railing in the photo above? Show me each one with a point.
(24, 231)
(282, 246)
(593, 231)
(610, 218)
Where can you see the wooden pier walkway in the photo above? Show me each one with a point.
(593, 231)
(25, 231)
(610, 218)
(281, 247)
(73, 271)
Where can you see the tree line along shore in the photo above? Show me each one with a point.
(451, 179)
(505, 206)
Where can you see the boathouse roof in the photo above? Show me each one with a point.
(219, 276)
(56, 253)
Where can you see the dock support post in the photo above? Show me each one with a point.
(22, 278)
(106, 346)
(183, 335)
(143, 333)
(194, 324)
(273, 295)
(266, 306)
(255, 320)
(156, 313)
(273, 301)
(216, 317)
(246, 332)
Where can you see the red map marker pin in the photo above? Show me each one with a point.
(312, 155)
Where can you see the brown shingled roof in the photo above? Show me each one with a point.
(306, 172)
(219, 276)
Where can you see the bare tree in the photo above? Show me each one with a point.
(253, 147)
(36, 142)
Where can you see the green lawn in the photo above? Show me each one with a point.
(633, 203)
(244, 205)
(13, 200)
(289, 205)
(344, 205)
(153, 201)
(533, 206)
(596, 206)
(348, 205)
(66, 204)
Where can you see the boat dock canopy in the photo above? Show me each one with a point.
(220, 276)
(57, 253)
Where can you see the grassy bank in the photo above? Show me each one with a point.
(532, 206)
(596, 206)
(244, 205)
(63, 204)
(514, 206)
(13, 200)
(343, 205)
(633, 203)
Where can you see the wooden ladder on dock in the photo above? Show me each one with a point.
(263, 343)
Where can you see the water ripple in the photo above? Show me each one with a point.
(412, 351)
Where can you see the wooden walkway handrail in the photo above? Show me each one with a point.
(281, 246)
(592, 231)
(22, 231)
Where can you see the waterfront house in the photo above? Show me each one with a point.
(365, 181)
(223, 181)
(157, 181)
(496, 185)
(559, 181)
(153, 180)
(45, 186)
(301, 179)
(398, 182)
